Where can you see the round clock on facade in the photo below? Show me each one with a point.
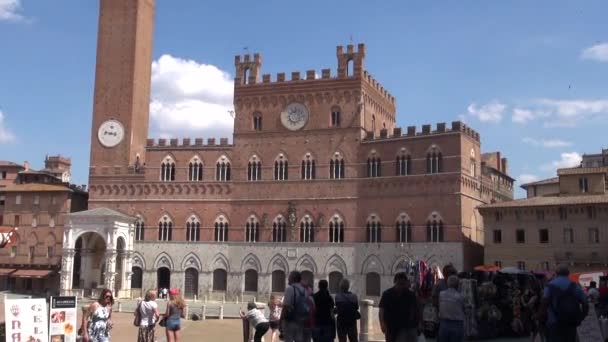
(110, 133)
(294, 116)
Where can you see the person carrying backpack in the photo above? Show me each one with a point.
(347, 310)
(295, 315)
(564, 306)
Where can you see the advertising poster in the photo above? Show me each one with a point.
(26, 320)
(63, 319)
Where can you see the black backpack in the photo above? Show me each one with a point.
(566, 306)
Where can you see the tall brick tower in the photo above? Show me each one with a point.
(122, 86)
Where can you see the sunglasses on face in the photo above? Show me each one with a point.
(108, 296)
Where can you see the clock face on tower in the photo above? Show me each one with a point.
(294, 116)
(110, 133)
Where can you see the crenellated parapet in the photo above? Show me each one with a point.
(413, 131)
(378, 87)
(187, 143)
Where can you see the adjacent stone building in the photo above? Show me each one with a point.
(562, 220)
(317, 177)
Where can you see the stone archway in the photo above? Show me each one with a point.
(97, 253)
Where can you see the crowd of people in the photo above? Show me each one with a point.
(454, 309)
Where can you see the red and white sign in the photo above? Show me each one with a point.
(26, 320)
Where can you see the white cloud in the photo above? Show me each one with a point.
(548, 143)
(526, 178)
(598, 52)
(5, 135)
(190, 99)
(567, 159)
(561, 113)
(9, 10)
(491, 112)
(522, 115)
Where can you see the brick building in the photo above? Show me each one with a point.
(35, 203)
(317, 178)
(562, 220)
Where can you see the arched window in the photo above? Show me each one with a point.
(139, 229)
(220, 280)
(403, 227)
(374, 229)
(334, 281)
(167, 169)
(165, 227)
(434, 229)
(374, 166)
(335, 116)
(336, 229)
(280, 168)
(254, 169)
(350, 68)
(222, 169)
(246, 74)
(278, 281)
(372, 284)
(193, 229)
(195, 170)
(374, 126)
(136, 277)
(433, 160)
(221, 229)
(279, 229)
(257, 121)
(308, 167)
(336, 166)
(252, 229)
(403, 163)
(251, 281)
(307, 229)
(473, 166)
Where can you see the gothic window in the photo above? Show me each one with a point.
(307, 229)
(434, 229)
(221, 229)
(280, 168)
(167, 169)
(257, 121)
(336, 166)
(433, 161)
(335, 116)
(473, 165)
(308, 167)
(139, 229)
(374, 166)
(193, 229)
(404, 229)
(165, 226)
(403, 163)
(254, 169)
(195, 170)
(374, 229)
(336, 229)
(279, 229)
(222, 169)
(252, 229)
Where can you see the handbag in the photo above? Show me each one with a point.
(137, 319)
(163, 321)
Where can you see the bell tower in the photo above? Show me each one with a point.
(122, 85)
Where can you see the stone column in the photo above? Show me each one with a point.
(127, 264)
(67, 264)
(110, 276)
(366, 320)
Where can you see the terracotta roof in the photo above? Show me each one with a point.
(549, 201)
(33, 187)
(10, 163)
(542, 182)
(102, 212)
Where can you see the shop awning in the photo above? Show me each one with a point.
(31, 273)
(6, 271)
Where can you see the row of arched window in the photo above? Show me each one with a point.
(306, 229)
(337, 170)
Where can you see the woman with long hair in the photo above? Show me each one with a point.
(99, 318)
(147, 313)
(176, 310)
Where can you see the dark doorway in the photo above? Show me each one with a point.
(308, 278)
(136, 277)
(163, 278)
(278, 281)
(191, 283)
(334, 282)
(220, 280)
(251, 281)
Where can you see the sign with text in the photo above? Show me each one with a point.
(26, 320)
(63, 313)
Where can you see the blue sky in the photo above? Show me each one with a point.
(530, 76)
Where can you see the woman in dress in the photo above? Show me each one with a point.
(176, 310)
(99, 318)
(148, 316)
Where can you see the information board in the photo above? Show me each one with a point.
(63, 319)
(26, 320)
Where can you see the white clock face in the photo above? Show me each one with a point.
(110, 133)
(294, 116)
